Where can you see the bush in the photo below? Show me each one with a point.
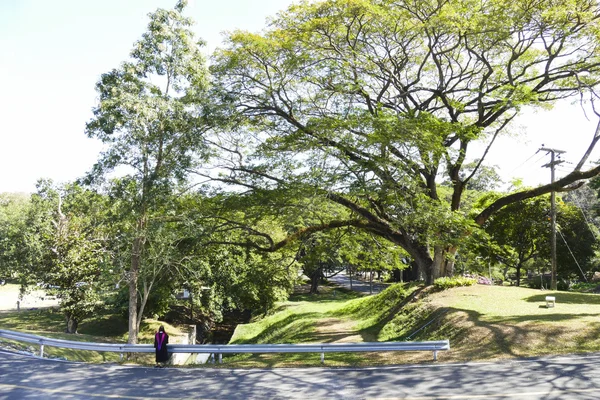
(536, 283)
(584, 286)
(447, 283)
(481, 280)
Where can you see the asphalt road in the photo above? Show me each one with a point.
(565, 378)
(362, 286)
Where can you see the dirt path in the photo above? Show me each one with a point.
(333, 330)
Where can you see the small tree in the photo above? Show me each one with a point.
(13, 223)
(65, 248)
(146, 116)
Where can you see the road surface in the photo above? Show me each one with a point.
(358, 285)
(564, 378)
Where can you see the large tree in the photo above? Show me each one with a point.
(147, 117)
(63, 248)
(371, 103)
(13, 223)
(522, 231)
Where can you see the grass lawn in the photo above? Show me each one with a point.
(481, 322)
(498, 322)
(100, 328)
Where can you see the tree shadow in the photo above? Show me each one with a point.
(554, 317)
(382, 319)
(565, 297)
(292, 329)
(330, 295)
(476, 336)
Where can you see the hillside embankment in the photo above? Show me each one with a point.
(482, 323)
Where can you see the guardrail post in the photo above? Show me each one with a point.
(41, 350)
(435, 355)
(220, 358)
(212, 358)
(322, 358)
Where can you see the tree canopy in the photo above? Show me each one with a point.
(370, 104)
(147, 115)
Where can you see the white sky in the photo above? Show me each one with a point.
(53, 53)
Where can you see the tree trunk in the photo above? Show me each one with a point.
(144, 300)
(136, 259)
(422, 265)
(133, 280)
(314, 281)
(449, 261)
(518, 274)
(436, 265)
(72, 324)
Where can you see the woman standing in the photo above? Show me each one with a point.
(161, 339)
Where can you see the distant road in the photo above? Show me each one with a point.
(564, 378)
(343, 280)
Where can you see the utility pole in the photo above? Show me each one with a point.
(553, 162)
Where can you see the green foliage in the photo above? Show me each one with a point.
(14, 208)
(446, 282)
(584, 286)
(519, 237)
(369, 104)
(65, 248)
(147, 116)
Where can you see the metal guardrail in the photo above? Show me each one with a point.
(220, 349)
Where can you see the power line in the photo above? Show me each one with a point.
(572, 255)
(554, 153)
(524, 162)
(587, 221)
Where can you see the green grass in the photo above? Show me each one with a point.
(481, 322)
(294, 321)
(100, 328)
(514, 322)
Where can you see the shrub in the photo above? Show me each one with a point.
(536, 281)
(584, 286)
(481, 280)
(447, 282)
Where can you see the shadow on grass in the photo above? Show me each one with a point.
(371, 333)
(50, 320)
(108, 325)
(335, 294)
(43, 319)
(554, 317)
(291, 329)
(565, 298)
(475, 336)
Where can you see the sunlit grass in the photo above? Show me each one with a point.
(481, 322)
(101, 328)
(294, 321)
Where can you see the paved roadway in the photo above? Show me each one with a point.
(358, 285)
(564, 378)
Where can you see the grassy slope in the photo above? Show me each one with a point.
(499, 322)
(482, 322)
(100, 328)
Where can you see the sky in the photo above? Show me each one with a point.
(53, 53)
